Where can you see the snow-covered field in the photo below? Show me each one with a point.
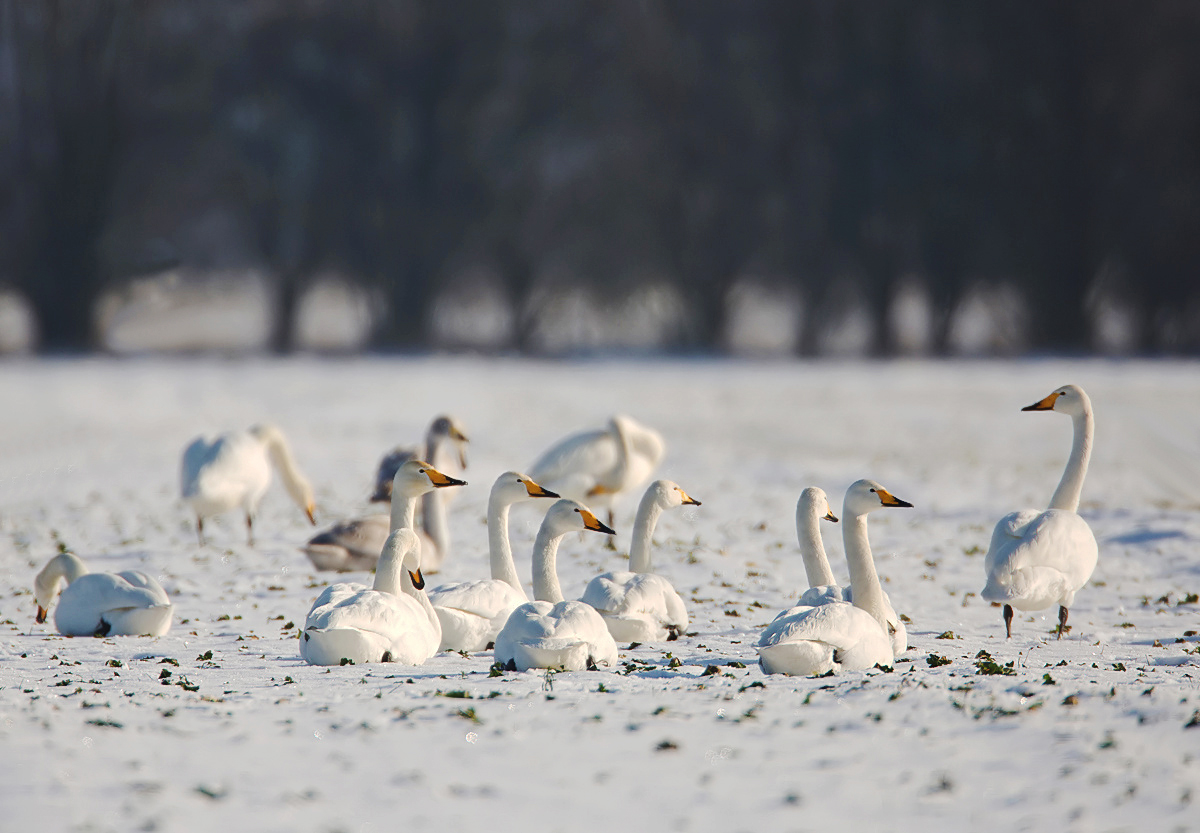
(220, 726)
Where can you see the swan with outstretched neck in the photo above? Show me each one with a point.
(128, 603)
(838, 635)
(234, 470)
(393, 621)
(1038, 559)
(552, 632)
(473, 612)
(639, 605)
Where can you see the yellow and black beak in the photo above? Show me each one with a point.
(41, 615)
(311, 512)
(538, 491)
(599, 489)
(418, 578)
(1046, 404)
(829, 516)
(442, 480)
(888, 499)
(688, 500)
(590, 521)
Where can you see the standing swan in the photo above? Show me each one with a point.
(1038, 559)
(551, 632)
(234, 471)
(473, 612)
(443, 431)
(811, 508)
(839, 635)
(639, 606)
(394, 621)
(128, 603)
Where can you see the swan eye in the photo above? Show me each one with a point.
(872, 491)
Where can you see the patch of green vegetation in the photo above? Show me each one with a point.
(469, 714)
(459, 695)
(985, 664)
(947, 635)
(936, 661)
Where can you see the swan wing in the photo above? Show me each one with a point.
(118, 604)
(385, 622)
(823, 594)
(353, 544)
(637, 607)
(568, 635)
(1038, 559)
(473, 612)
(839, 635)
(233, 471)
(577, 463)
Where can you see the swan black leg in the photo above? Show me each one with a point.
(1008, 617)
(610, 541)
(200, 529)
(249, 529)
(102, 629)
(1062, 620)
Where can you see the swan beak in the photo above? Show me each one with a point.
(310, 511)
(599, 489)
(829, 516)
(593, 523)
(418, 579)
(888, 499)
(539, 491)
(688, 500)
(1046, 404)
(440, 480)
(41, 615)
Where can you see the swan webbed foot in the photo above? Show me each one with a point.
(1062, 621)
(591, 665)
(511, 665)
(102, 629)
(673, 632)
(387, 657)
(490, 646)
(1008, 617)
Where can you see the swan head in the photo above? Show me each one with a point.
(1069, 399)
(668, 494)
(814, 503)
(416, 477)
(514, 487)
(865, 496)
(448, 428)
(571, 516)
(64, 566)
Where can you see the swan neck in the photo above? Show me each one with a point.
(545, 573)
(422, 598)
(66, 567)
(812, 550)
(500, 545)
(404, 511)
(433, 520)
(648, 513)
(390, 567)
(285, 464)
(1066, 496)
(864, 581)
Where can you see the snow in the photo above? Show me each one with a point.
(1088, 734)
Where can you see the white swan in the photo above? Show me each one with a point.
(354, 544)
(811, 508)
(234, 471)
(128, 603)
(1038, 559)
(838, 635)
(596, 467)
(639, 606)
(551, 632)
(473, 612)
(394, 621)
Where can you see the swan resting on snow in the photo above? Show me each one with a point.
(638, 605)
(811, 508)
(234, 470)
(552, 632)
(1038, 559)
(473, 612)
(393, 621)
(128, 603)
(838, 635)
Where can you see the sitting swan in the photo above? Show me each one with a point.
(551, 632)
(838, 635)
(234, 471)
(473, 612)
(128, 603)
(823, 589)
(639, 606)
(1038, 559)
(394, 621)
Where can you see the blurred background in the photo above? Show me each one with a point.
(555, 177)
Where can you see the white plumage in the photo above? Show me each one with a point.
(128, 603)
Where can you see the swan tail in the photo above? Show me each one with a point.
(799, 658)
(341, 646)
(556, 654)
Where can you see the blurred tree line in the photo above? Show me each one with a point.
(818, 143)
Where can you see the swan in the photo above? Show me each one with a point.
(128, 603)
(811, 508)
(552, 632)
(354, 544)
(473, 612)
(838, 635)
(394, 621)
(599, 466)
(234, 469)
(391, 622)
(1037, 559)
(640, 606)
